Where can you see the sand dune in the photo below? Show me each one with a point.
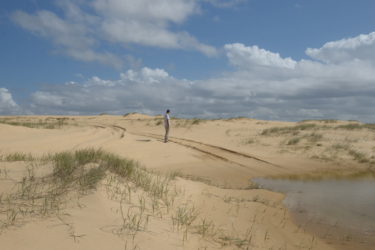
(212, 162)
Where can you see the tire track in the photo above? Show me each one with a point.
(221, 153)
(114, 127)
(224, 154)
(229, 155)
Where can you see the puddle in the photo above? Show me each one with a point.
(340, 211)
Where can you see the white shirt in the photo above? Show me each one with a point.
(166, 120)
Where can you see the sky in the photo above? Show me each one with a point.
(265, 59)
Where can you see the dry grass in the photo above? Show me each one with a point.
(31, 122)
(310, 138)
(357, 126)
(328, 141)
(276, 131)
(290, 129)
(17, 156)
(73, 175)
(141, 194)
(187, 123)
(327, 121)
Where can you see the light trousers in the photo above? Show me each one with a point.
(166, 133)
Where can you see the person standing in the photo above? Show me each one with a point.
(166, 125)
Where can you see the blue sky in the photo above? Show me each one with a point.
(267, 59)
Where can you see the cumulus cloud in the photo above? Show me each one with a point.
(263, 85)
(242, 93)
(7, 105)
(247, 57)
(145, 75)
(361, 47)
(83, 27)
(147, 90)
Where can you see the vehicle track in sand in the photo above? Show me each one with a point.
(218, 152)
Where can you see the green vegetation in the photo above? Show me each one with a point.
(357, 126)
(312, 126)
(323, 121)
(91, 178)
(338, 146)
(30, 122)
(250, 141)
(291, 129)
(226, 240)
(307, 138)
(16, 157)
(158, 122)
(187, 123)
(359, 156)
(67, 165)
(178, 122)
(183, 218)
(206, 228)
(355, 154)
(74, 173)
(196, 121)
(293, 141)
(314, 137)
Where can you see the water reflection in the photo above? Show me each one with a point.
(345, 207)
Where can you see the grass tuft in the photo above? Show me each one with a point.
(183, 218)
(30, 122)
(84, 156)
(359, 156)
(64, 166)
(293, 141)
(287, 130)
(17, 157)
(357, 126)
(90, 179)
(73, 173)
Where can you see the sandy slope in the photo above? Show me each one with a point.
(219, 157)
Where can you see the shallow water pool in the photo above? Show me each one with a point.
(339, 211)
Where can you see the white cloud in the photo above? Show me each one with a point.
(325, 93)
(161, 11)
(247, 57)
(146, 90)
(7, 105)
(71, 38)
(147, 23)
(49, 25)
(145, 75)
(83, 27)
(361, 47)
(263, 85)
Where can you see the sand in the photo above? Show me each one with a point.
(213, 160)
